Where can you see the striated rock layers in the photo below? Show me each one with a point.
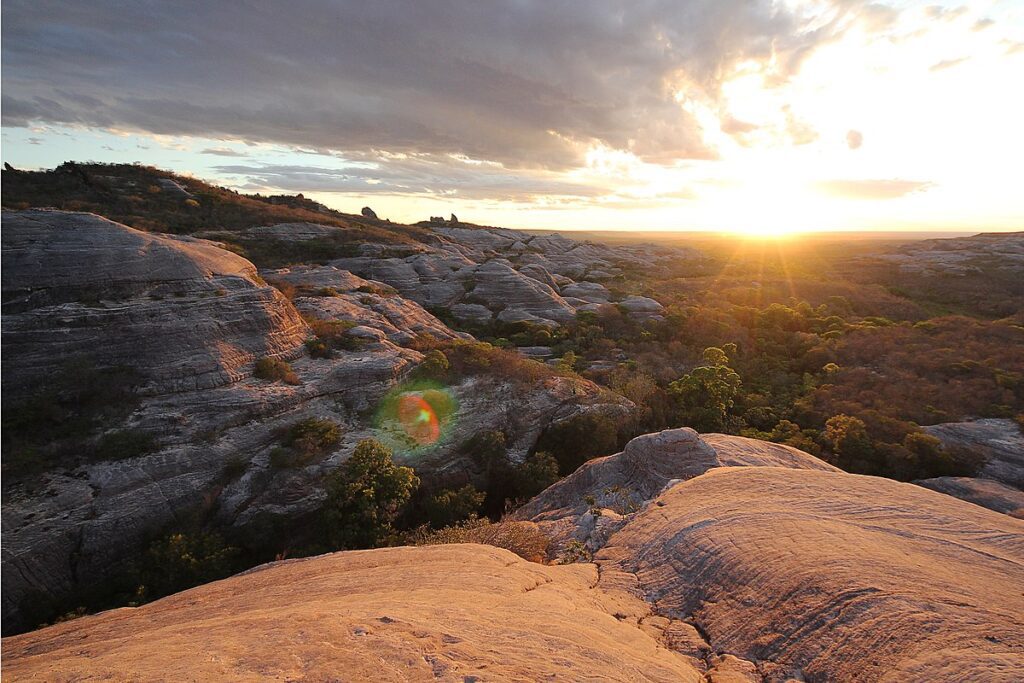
(736, 561)
(191, 319)
(183, 312)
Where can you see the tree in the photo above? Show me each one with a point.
(453, 505)
(365, 495)
(535, 474)
(707, 394)
(850, 443)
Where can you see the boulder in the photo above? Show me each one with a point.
(500, 286)
(641, 304)
(182, 312)
(999, 442)
(472, 313)
(820, 575)
(367, 212)
(591, 292)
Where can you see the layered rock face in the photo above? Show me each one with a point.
(192, 318)
(483, 275)
(737, 561)
(984, 492)
(183, 312)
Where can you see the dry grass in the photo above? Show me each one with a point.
(524, 539)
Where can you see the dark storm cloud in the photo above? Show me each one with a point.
(524, 83)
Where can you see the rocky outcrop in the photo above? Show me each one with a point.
(818, 575)
(78, 284)
(342, 296)
(751, 562)
(367, 212)
(182, 312)
(984, 492)
(619, 484)
(998, 442)
(452, 613)
(515, 276)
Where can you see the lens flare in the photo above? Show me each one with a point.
(418, 419)
(415, 417)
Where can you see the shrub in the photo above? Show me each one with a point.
(434, 366)
(365, 496)
(535, 474)
(313, 435)
(574, 441)
(124, 444)
(179, 561)
(273, 369)
(524, 539)
(453, 505)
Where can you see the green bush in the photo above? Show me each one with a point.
(581, 438)
(124, 444)
(434, 366)
(449, 506)
(273, 369)
(365, 496)
(182, 560)
(313, 435)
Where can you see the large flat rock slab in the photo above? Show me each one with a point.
(450, 613)
(830, 576)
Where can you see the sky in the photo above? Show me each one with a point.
(750, 116)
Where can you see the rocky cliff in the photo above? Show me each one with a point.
(737, 561)
(188, 320)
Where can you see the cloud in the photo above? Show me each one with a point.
(982, 24)
(223, 152)
(947, 63)
(873, 189)
(410, 175)
(531, 85)
(854, 139)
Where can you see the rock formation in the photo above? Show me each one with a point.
(736, 561)
(984, 492)
(192, 318)
(181, 311)
(998, 442)
(367, 212)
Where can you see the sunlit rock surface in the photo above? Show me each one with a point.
(452, 613)
(753, 562)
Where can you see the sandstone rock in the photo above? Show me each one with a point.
(183, 312)
(500, 286)
(591, 292)
(317, 277)
(455, 613)
(539, 273)
(173, 188)
(822, 575)
(626, 481)
(472, 313)
(367, 212)
(999, 442)
(984, 492)
(536, 352)
(641, 304)
(399, 319)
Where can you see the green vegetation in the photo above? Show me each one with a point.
(274, 370)
(365, 496)
(64, 419)
(304, 441)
